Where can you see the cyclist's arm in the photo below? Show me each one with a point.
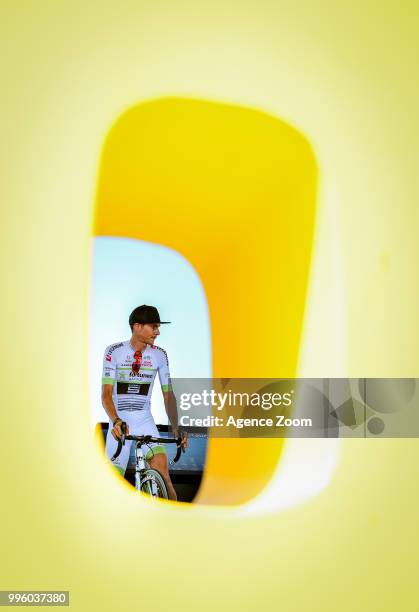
(171, 410)
(168, 395)
(109, 406)
(166, 387)
(107, 402)
(108, 380)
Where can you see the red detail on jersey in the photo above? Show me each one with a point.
(108, 358)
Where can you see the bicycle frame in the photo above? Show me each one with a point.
(140, 464)
(144, 474)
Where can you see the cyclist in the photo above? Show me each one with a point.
(129, 370)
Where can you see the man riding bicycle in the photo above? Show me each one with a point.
(129, 370)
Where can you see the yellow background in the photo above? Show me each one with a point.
(345, 78)
(234, 191)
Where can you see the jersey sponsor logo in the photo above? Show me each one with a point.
(129, 360)
(128, 388)
(135, 375)
(133, 389)
(163, 351)
(112, 348)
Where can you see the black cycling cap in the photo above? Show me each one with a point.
(145, 314)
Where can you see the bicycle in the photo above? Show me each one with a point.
(149, 480)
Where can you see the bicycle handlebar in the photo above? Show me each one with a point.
(146, 440)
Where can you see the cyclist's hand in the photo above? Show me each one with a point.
(185, 439)
(117, 429)
(184, 442)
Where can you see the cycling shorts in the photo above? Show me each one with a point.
(137, 427)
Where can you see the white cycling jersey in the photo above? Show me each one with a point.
(132, 393)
